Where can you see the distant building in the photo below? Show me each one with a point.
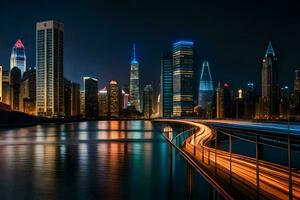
(134, 90)
(249, 111)
(239, 105)
(124, 99)
(50, 68)
(297, 89)
(5, 87)
(14, 82)
(82, 103)
(1, 83)
(18, 57)
(205, 88)
(183, 66)
(75, 99)
(167, 85)
(219, 102)
(91, 97)
(113, 99)
(227, 101)
(28, 92)
(148, 101)
(103, 102)
(269, 80)
(284, 104)
(67, 97)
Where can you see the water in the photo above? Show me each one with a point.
(95, 160)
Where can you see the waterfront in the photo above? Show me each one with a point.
(95, 160)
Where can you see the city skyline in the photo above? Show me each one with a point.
(98, 59)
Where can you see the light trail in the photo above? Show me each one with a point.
(273, 178)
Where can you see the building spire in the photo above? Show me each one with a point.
(270, 49)
(133, 53)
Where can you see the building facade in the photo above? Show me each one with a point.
(183, 66)
(167, 84)
(50, 68)
(91, 97)
(148, 101)
(269, 82)
(18, 57)
(113, 98)
(134, 86)
(28, 92)
(249, 111)
(5, 87)
(75, 99)
(82, 103)
(219, 102)
(15, 82)
(67, 97)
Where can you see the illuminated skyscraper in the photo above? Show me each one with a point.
(167, 85)
(91, 97)
(134, 88)
(183, 65)
(205, 87)
(113, 98)
(148, 101)
(50, 68)
(103, 102)
(269, 81)
(18, 57)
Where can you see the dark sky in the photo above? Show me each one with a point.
(231, 35)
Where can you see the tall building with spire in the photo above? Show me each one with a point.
(18, 57)
(50, 68)
(205, 87)
(269, 82)
(134, 88)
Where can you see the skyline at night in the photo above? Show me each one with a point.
(231, 37)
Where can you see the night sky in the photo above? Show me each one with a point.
(231, 35)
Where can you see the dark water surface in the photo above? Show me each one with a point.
(95, 160)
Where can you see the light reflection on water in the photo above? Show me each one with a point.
(92, 160)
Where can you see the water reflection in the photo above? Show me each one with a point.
(88, 161)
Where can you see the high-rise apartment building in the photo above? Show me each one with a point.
(134, 87)
(91, 97)
(148, 101)
(113, 98)
(167, 84)
(269, 82)
(50, 68)
(18, 57)
(183, 66)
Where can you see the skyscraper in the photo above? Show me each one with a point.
(183, 64)
(91, 97)
(227, 101)
(75, 99)
(134, 88)
(167, 84)
(82, 103)
(297, 88)
(124, 99)
(249, 110)
(205, 87)
(269, 81)
(103, 102)
(284, 104)
(5, 87)
(113, 98)
(148, 101)
(28, 92)
(50, 68)
(18, 57)
(14, 82)
(67, 97)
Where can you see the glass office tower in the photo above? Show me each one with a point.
(50, 68)
(18, 57)
(205, 86)
(167, 84)
(91, 97)
(183, 63)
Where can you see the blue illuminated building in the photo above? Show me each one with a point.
(183, 70)
(167, 84)
(205, 87)
(18, 57)
(134, 87)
